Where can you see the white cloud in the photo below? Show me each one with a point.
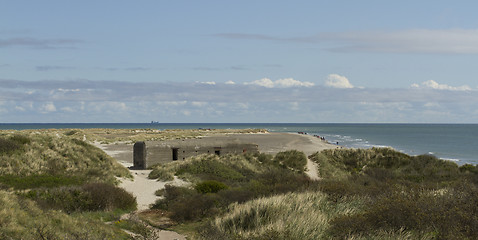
(230, 82)
(209, 83)
(48, 107)
(68, 90)
(67, 109)
(198, 104)
(431, 105)
(337, 81)
(264, 82)
(430, 84)
(280, 83)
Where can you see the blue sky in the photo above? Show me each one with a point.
(239, 61)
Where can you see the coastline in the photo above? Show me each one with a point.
(453, 142)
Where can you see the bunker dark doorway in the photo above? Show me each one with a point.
(175, 154)
(139, 155)
(217, 152)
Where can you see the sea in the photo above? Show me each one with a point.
(454, 142)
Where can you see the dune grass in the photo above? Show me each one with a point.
(288, 216)
(374, 193)
(51, 182)
(22, 219)
(220, 181)
(47, 154)
(132, 135)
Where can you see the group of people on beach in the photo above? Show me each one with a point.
(317, 136)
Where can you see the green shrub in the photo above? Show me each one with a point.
(20, 139)
(161, 174)
(210, 186)
(211, 169)
(22, 219)
(468, 168)
(187, 204)
(108, 197)
(89, 197)
(263, 157)
(36, 181)
(8, 146)
(293, 159)
(28, 153)
(71, 132)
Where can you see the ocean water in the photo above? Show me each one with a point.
(455, 142)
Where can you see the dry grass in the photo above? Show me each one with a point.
(288, 216)
(165, 172)
(47, 152)
(22, 219)
(133, 135)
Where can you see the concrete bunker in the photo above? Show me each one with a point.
(149, 153)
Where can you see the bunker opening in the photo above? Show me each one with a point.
(175, 153)
(217, 151)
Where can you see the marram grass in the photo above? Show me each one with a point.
(291, 216)
(22, 219)
(47, 153)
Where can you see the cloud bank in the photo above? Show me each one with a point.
(264, 100)
(430, 84)
(280, 83)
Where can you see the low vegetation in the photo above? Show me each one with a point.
(46, 154)
(51, 183)
(220, 181)
(133, 135)
(21, 218)
(374, 193)
(55, 185)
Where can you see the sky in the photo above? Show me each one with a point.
(238, 61)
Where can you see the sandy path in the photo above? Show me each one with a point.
(141, 187)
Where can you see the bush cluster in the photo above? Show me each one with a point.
(420, 194)
(210, 186)
(227, 181)
(292, 159)
(12, 144)
(37, 181)
(22, 219)
(89, 197)
(374, 193)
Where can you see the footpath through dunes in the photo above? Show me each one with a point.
(273, 143)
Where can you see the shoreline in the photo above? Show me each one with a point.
(446, 141)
